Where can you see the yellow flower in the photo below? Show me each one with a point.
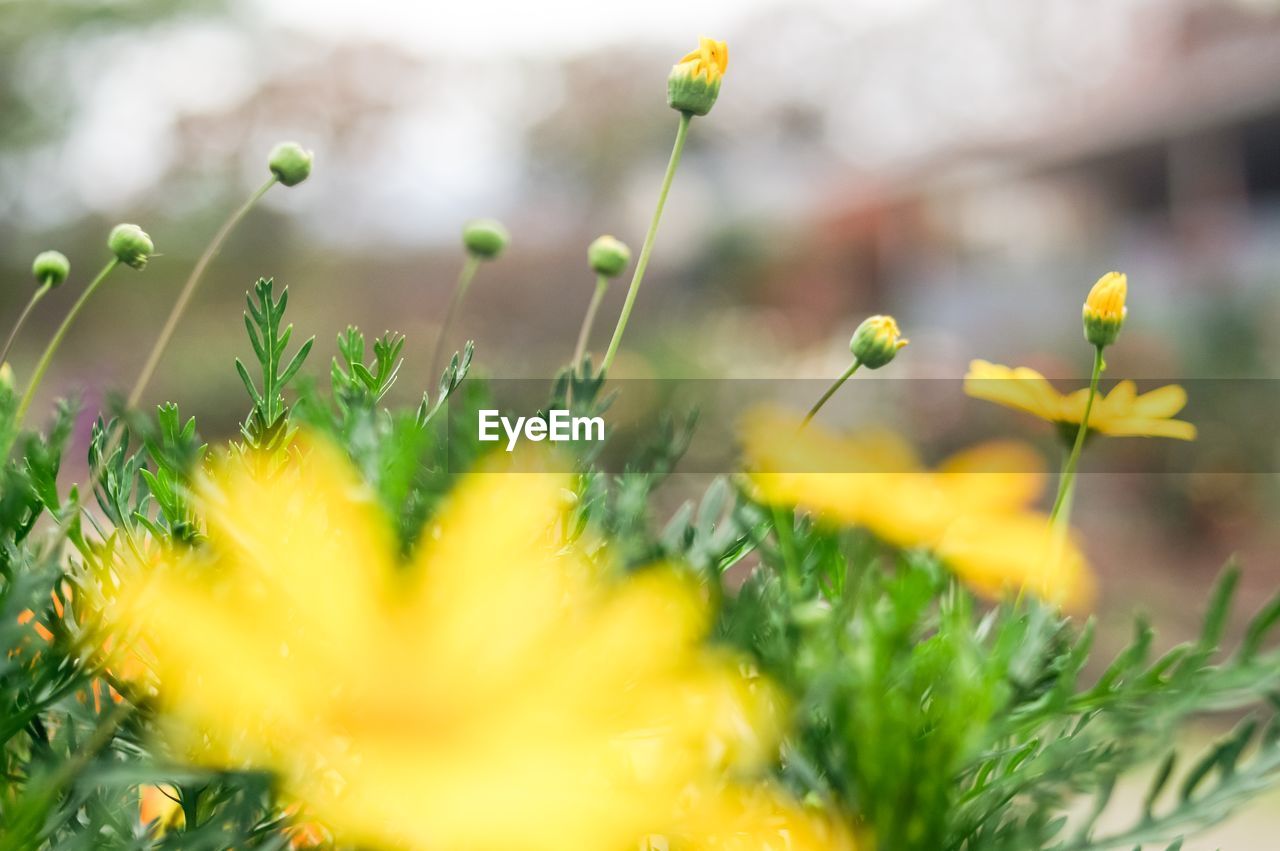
(499, 691)
(159, 805)
(1104, 309)
(973, 512)
(752, 818)
(1120, 413)
(694, 82)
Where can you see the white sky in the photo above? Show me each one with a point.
(533, 27)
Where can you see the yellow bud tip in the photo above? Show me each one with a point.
(1106, 299)
(709, 61)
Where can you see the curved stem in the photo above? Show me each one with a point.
(682, 132)
(1066, 482)
(22, 318)
(831, 391)
(465, 277)
(602, 284)
(189, 289)
(51, 349)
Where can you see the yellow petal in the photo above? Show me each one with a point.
(1023, 389)
(997, 475)
(1001, 554)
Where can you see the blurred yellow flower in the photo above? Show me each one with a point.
(159, 805)
(1120, 413)
(973, 512)
(752, 818)
(500, 691)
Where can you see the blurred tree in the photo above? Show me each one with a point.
(38, 107)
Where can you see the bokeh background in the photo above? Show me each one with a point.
(970, 167)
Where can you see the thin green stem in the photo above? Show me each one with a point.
(831, 391)
(1066, 482)
(584, 334)
(189, 289)
(51, 349)
(791, 563)
(465, 276)
(682, 133)
(22, 317)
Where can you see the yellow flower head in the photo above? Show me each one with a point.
(751, 818)
(1121, 413)
(973, 512)
(1104, 309)
(694, 82)
(158, 805)
(535, 700)
(877, 341)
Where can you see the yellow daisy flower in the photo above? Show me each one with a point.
(973, 511)
(1121, 413)
(756, 817)
(499, 691)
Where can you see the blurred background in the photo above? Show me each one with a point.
(971, 167)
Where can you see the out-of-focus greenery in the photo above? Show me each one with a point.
(37, 108)
(919, 718)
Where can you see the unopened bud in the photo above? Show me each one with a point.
(290, 163)
(608, 256)
(1104, 309)
(876, 341)
(485, 238)
(694, 82)
(51, 267)
(131, 245)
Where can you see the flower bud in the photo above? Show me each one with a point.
(290, 163)
(1104, 309)
(51, 267)
(131, 245)
(485, 238)
(608, 256)
(876, 342)
(694, 82)
(6, 376)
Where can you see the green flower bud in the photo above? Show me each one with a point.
(608, 256)
(694, 82)
(131, 245)
(51, 267)
(876, 342)
(290, 163)
(485, 238)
